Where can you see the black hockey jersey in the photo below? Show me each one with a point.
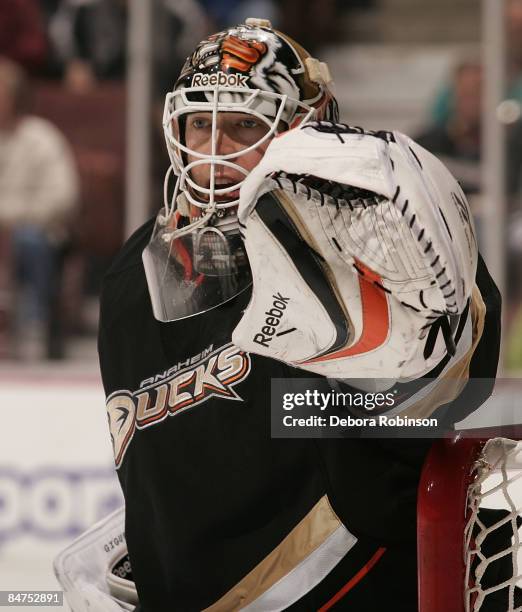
(219, 516)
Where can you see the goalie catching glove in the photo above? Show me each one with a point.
(363, 254)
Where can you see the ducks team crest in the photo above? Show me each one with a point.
(211, 373)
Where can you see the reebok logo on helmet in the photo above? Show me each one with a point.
(201, 79)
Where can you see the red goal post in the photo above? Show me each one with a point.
(449, 490)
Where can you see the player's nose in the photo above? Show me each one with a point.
(226, 144)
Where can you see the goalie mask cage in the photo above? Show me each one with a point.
(470, 498)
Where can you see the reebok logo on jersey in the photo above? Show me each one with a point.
(214, 375)
(265, 336)
(219, 78)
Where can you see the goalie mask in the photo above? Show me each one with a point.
(256, 83)
(363, 255)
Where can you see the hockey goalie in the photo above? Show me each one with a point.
(291, 246)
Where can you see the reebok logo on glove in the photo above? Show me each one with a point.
(265, 336)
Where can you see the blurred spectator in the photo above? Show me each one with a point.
(22, 33)
(39, 190)
(90, 38)
(457, 141)
(444, 100)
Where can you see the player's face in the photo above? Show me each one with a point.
(235, 132)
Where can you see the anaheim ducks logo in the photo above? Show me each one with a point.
(213, 374)
(241, 54)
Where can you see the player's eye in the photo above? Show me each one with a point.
(248, 123)
(200, 123)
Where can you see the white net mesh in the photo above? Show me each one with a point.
(492, 547)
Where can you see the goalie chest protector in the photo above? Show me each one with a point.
(209, 495)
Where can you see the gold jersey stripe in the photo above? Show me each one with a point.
(308, 535)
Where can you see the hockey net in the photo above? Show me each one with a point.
(470, 502)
